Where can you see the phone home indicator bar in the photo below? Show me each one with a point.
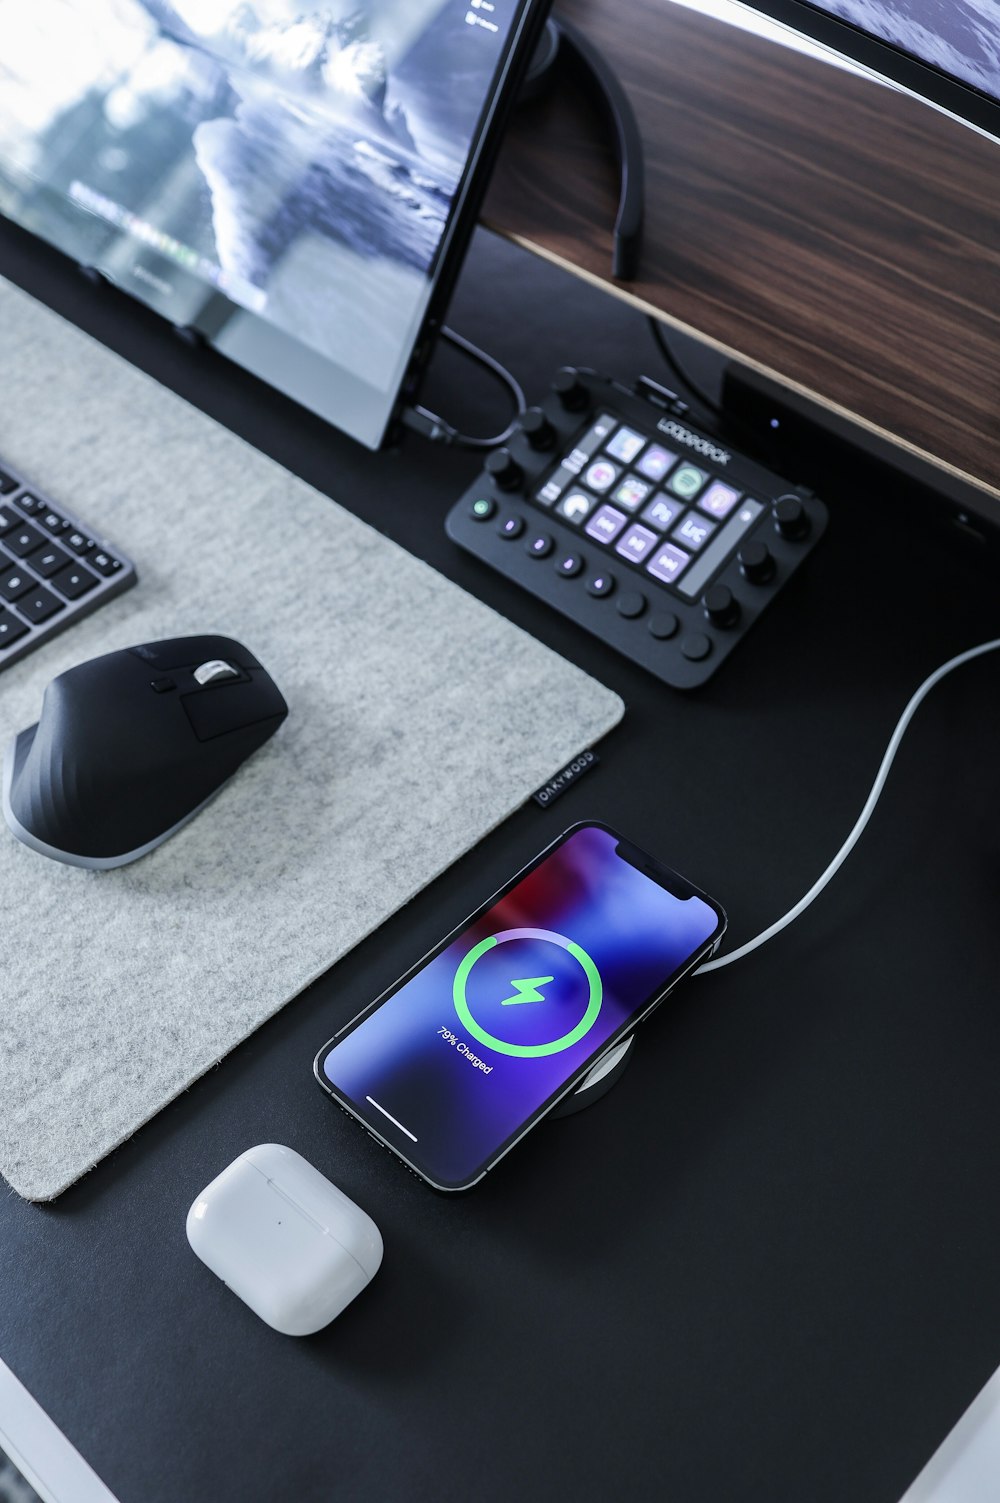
(379, 1108)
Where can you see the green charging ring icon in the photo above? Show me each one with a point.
(528, 1051)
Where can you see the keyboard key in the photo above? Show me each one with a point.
(636, 543)
(74, 581)
(45, 585)
(15, 582)
(686, 481)
(631, 493)
(10, 629)
(668, 563)
(602, 475)
(47, 561)
(694, 532)
(719, 500)
(626, 444)
(23, 539)
(38, 605)
(605, 525)
(576, 506)
(656, 461)
(662, 512)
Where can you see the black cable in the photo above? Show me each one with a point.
(747, 437)
(678, 371)
(420, 420)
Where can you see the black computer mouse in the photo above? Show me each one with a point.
(131, 745)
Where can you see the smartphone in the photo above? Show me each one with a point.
(466, 1052)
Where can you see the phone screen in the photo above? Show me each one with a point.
(468, 1050)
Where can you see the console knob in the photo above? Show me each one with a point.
(790, 517)
(537, 429)
(721, 606)
(570, 390)
(503, 469)
(756, 562)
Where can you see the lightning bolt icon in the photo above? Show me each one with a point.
(527, 990)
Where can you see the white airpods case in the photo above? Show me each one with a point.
(293, 1247)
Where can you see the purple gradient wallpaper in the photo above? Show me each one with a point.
(453, 1064)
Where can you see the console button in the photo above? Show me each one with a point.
(539, 545)
(721, 606)
(503, 469)
(510, 526)
(537, 429)
(696, 646)
(570, 389)
(664, 625)
(756, 562)
(600, 585)
(790, 517)
(569, 565)
(631, 603)
(481, 510)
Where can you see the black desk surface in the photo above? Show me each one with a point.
(764, 1266)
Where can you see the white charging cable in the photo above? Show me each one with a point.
(863, 818)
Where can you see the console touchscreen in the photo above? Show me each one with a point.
(295, 182)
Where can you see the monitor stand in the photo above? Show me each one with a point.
(560, 37)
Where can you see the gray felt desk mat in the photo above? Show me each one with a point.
(120, 988)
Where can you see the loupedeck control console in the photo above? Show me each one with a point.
(609, 504)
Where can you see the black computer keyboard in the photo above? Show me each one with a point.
(612, 506)
(53, 568)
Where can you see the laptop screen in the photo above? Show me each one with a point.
(283, 178)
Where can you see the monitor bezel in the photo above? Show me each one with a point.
(962, 101)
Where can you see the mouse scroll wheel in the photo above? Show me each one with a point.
(214, 671)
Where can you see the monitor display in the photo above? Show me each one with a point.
(961, 37)
(946, 51)
(285, 178)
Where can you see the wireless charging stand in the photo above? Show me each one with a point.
(598, 1080)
